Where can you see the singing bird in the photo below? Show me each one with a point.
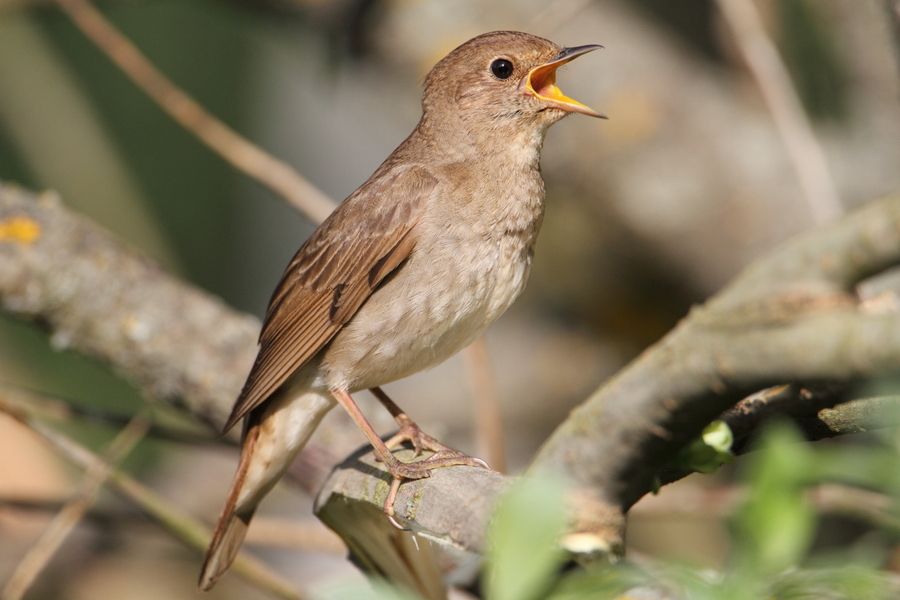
(408, 270)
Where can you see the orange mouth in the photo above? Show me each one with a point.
(541, 82)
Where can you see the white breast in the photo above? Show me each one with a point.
(470, 262)
(438, 302)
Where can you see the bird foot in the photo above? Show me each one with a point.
(443, 456)
(420, 469)
(412, 433)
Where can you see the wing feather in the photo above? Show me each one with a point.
(331, 276)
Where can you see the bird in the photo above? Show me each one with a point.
(408, 269)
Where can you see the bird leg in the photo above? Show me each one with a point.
(412, 433)
(443, 456)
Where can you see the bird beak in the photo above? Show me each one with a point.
(541, 82)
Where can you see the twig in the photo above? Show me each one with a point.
(892, 8)
(36, 559)
(873, 507)
(64, 409)
(819, 411)
(802, 403)
(488, 417)
(828, 498)
(238, 151)
(267, 532)
(179, 524)
(776, 86)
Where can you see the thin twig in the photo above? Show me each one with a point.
(37, 558)
(267, 532)
(57, 408)
(780, 95)
(718, 502)
(241, 153)
(181, 525)
(488, 417)
(892, 9)
(867, 505)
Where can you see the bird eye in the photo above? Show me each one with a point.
(502, 68)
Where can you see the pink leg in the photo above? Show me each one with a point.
(410, 431)
(443, 456)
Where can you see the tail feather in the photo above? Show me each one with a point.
(273, 435)
(227, 542)
(232, 525)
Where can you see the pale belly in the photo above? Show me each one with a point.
(434, 306)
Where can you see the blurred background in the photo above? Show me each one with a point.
(647, 214)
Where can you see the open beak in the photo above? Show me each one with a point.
(541, 82)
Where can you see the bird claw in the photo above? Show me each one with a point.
(412, 433)
(443, 456)
(397, 524)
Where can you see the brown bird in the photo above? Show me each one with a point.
(408, 270)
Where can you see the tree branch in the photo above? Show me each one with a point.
(790, 318)
(96, 295)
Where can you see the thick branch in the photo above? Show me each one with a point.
(96, 295)
(447, 514)
(791, 317)
(818, 411)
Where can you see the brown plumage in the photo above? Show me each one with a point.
(409, 269)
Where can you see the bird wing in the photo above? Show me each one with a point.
(332, 274)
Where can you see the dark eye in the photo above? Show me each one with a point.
(502, 68)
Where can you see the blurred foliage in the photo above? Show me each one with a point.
(772, 532)
(522, 560)
(808, 45)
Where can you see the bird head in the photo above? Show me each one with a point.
(503, 77)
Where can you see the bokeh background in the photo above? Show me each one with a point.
(647, 213)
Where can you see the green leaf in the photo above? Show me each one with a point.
(718, 436)
(524, 554)
(709, 451)
(849, 582)
(602, 583)
(775, 525)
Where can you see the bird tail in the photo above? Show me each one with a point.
(232, 525)
(273, 436)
